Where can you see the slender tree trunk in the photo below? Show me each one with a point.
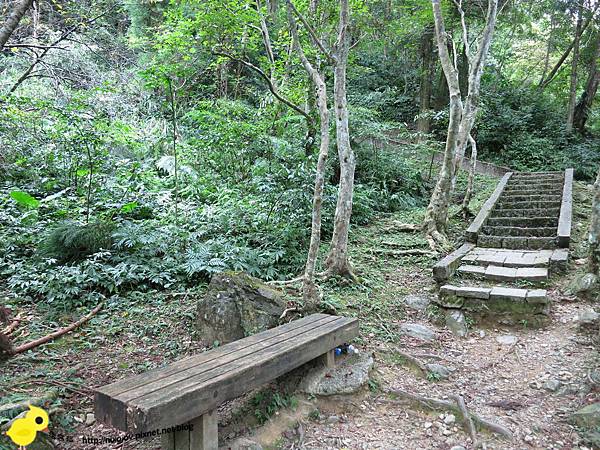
(462, 116)
(594, 236)
(584, 105)
(13, 20)
(469, 191)
(337, 261)
(423, 122)
(574, 64)
(309, 289)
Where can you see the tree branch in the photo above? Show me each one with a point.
(312, 33)
(270, 84)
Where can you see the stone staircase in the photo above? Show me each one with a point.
(516, 243)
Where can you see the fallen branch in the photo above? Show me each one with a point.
(399, 226)
(12, 326)
(433, 404)
(58, 333)
(467, 420)
(405, 252)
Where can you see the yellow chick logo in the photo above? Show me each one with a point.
(24, 431)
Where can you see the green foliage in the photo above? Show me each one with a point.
(267, 403)
(23, 198)
(71, 241)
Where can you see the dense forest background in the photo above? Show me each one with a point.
(148, 144)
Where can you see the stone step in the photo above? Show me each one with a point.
(509, 258)
(520, 231)
(525, 197)
(512, 204)
(531, 243)
(554, 189)
(551, 173)
(532, 296)
(526, 222)
(509, 274)
(524, 212)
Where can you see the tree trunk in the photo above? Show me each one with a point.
(462, 117)
(574, 63)
(423, 122)
(469, 191)
(13, 21)
(337, 261)
(584, 105)
(309, 289)
(594, 236)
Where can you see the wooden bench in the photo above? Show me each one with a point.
(187, 392)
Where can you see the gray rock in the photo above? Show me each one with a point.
(449, 419)
(245, 444)
(441, 371)
(506, 339)
(332, 419)
(416, 302)
(418, 331)
(587, 417)
(589, 317)
(583, 285)
(551, 385)
(458, 447)
(90, 419)
(237, 305)
(456, 322)
(351, 374)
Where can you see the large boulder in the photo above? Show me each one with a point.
(237, 305)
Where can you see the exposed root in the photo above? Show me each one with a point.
(433, 404)
(58, 333)
(405, 252)
(12, 326)
(467, 420)
(414, 361)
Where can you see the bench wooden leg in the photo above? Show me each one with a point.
(204, 435)
(329, 359)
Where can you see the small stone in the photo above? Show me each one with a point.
(458, 447)
(456, 322)
(551, 385)
(441, 371)
(418, 331)
(333, 419)
(427, 425)
(416, 302)
(447, 432)
(506, 339)
(588, 317)
(450, 419)
(528, 438)
(90, 419)
(587, 417)
(481, 333)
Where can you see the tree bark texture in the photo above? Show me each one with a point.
(469, 191)
(309, 289)
(594, 236)
(584, 104)
(337, 261)
(13, 20)
(423, 122)
(574, 64)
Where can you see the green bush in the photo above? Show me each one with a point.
(71, 241)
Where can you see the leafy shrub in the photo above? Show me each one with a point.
(71, 241)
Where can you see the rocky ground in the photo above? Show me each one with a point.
(528, 380)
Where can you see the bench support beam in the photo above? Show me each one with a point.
(203, 435)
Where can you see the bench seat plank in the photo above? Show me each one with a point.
(195, 385)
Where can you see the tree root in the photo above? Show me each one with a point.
(467, 420)
(399, 226)
(58, 333)
(433, 404)
(414, 361)
(405, 252)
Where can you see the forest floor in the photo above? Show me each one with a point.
(505, 384)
